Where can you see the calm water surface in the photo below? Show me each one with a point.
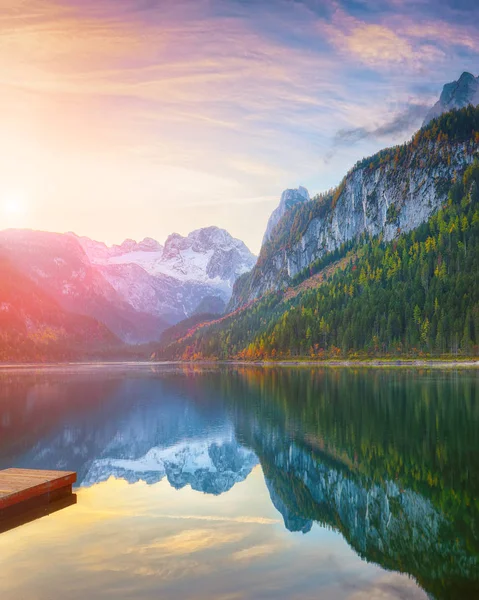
(246, 483)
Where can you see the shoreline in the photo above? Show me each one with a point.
(470, 363)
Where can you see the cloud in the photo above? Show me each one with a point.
(380, 44)
(402, 123)
(107, 100)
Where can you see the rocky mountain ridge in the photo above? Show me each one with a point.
(174, 280)
(456, 94)
(34, 327)
(389, 193)
(210, 256)
(289, 198)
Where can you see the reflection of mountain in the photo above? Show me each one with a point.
(421, 523)
(144, 431)
(207, 465)
(388, 459)
(397, 528)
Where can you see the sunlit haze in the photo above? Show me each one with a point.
(121, 118)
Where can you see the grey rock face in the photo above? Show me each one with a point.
(385, 200)
(288, 199)
(457, 94)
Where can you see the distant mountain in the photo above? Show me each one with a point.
(34, 327)
(457, 94)
(288, 199)
(101, 250)
(176, 280)
(137, 289)
(58, 265)
(209, 256)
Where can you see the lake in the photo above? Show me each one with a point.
(246, 482)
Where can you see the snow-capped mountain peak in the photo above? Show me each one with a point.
(209, 256)
(172, 281)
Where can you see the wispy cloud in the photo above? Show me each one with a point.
(399, 124)
(108, 100)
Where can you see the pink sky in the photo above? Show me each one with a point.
(122, 118)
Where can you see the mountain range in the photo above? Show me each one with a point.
(135, 291)
(386, 263)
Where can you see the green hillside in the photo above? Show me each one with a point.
(416, 294)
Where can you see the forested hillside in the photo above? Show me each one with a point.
(394, 191)
(418, 293)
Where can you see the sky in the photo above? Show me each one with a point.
(140, 118)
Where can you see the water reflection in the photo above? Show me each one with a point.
(388, 459)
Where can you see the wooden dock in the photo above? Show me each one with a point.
(26, 492)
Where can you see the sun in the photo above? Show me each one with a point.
(13, 204)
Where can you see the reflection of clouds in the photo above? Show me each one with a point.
(390, 587)
(255, 520)
(254, 552)
(190, 541)
(149, 543)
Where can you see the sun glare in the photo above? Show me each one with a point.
(13, 204)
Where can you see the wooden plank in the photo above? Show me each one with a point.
(20, 485)
(37, 473)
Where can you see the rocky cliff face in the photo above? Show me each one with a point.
(457, 94)
(384, 195)
(288, 199)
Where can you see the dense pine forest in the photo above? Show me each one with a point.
(416, 295)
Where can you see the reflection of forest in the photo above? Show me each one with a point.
(389, 458)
